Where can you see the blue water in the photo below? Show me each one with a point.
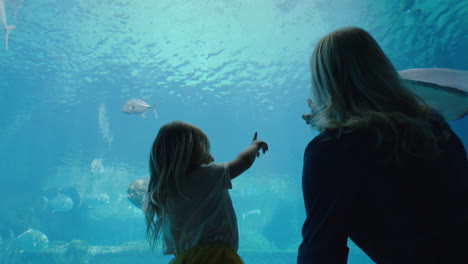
(231, 67)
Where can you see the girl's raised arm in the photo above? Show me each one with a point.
(246, 157)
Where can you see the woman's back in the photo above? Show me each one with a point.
(412, 210)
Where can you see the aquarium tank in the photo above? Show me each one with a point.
(70, 152)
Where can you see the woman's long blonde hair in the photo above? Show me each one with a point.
(355, 85)
(177, 150)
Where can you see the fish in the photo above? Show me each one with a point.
(59, 203)
(32, 240)
(4, 23)
(97, 166)
(138, 106)
(137, 191)
(251, 212)
(445, 90)
(103, 123)
(72, 191)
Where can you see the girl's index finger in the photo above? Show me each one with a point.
(255, 136)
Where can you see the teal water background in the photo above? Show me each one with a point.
(231, 67)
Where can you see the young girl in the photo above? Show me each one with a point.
(189, 207)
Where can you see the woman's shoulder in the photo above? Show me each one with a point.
(336, 145)
(437, 121)
(334, 137)
(331, 155)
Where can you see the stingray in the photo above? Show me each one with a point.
(445, 90)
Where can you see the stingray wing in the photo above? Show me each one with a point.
(445, 90)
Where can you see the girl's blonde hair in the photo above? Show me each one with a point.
(177, 150)
(355, 85)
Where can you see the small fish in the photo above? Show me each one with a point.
(138, 106)
(32, 240)
(97, 166)
(60, 203)
(251, 212)
(137, 191)
(4, 23)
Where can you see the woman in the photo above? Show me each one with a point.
(385, 170)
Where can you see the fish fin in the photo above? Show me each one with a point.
(243, 216)
(142, 115)
(7, 32)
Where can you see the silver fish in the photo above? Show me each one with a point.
(138, 106)
(251, 212)
(137, 191)
(4, 23)
(60, 203)
(32, 240)
(97, 166)
(103, 123)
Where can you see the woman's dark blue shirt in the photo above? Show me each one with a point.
(409, 211)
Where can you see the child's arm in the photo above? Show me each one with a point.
(246, 157)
